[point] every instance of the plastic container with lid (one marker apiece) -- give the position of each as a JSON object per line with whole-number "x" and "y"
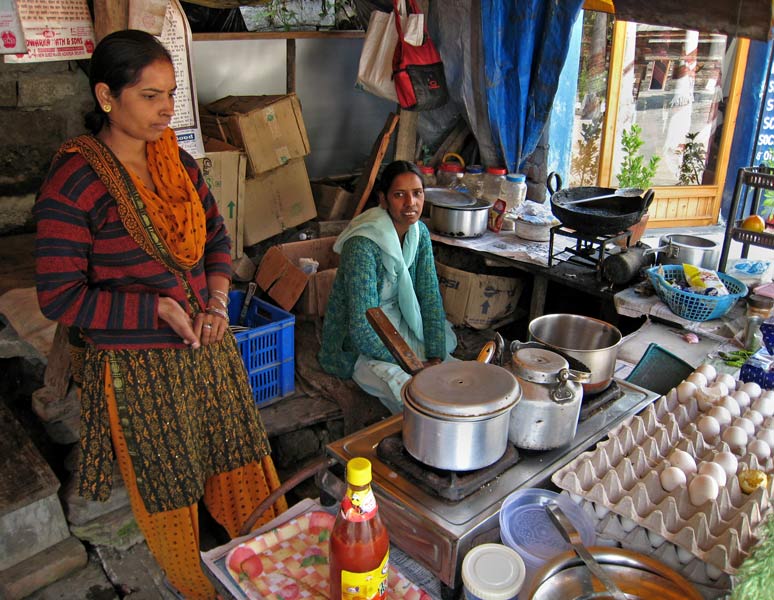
{"x": 514, "y": 190}
{"x": 428, "y": 176}
{"x": 492, "y": 572}
{"x": 474, "y": 180}
{"x": 759, "y": 308}
{"x": 493, "y": 180}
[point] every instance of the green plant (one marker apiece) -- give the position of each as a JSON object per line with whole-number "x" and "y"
{"x": 755, "y": 577}
{"x": 585, "y": 161}
{"x": 693, "y": 161}
{"x": 634, "y": 172}
{"x": 277, "y": 13}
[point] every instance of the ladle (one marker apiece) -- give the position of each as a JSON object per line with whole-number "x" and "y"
{"x": 621, "y": 192}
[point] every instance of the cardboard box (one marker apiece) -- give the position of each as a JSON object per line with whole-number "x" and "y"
{"x": 270, "y": 129}
{"x": 281, "y": 277}
{"x": 224, "y": 173}
{"x": 333, "y": 202}
{"x": 475, "y": 300}
{"x": 277, "y": 200}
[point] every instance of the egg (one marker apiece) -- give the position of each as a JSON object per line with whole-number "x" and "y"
{"x": 708, "y": 427}
{"x": 752, "y": 389}
{"x": 766, "y": 436}
{"x": 672, "y": 478}
{"x": 731, "y": 404}
{"x": 628, "y": 524}
{"x": 684, "y": 556}
{"x": 746, "y": 424}
{"x": 760, "y": 449}
{"x": 714, "y": 470}
{"x": 764, "y": 405}
{"x": 726, "y": 379}
{"x": 682, "y": 460}
{"x": 767, "y": 394}
{"x": 742, "y": 398}
{"x": 702, "y": 488}
{"x": 685, "y": 391}
{"x": 708, "y": 371}
{"x": 728, "y": 461}
{"x": 697, "y": 379}
{"x": 721, "y": 414}
{"x": 655, "y": 539}
{"x": 712, "y": 571}
{"x": 735, "y": 437}
{"x": 708, "y": 395}
{"x": 754, "y": 416}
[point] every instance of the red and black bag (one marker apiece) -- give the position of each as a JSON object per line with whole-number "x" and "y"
{"x": 420, "y": 81}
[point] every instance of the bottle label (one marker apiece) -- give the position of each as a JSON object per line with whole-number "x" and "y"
{"x": 358, "y": 506}
{"x": 369, "y": 585}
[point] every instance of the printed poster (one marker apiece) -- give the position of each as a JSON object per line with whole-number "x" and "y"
{"x": 54, "y": 30}
{"x": 11, "y": 35}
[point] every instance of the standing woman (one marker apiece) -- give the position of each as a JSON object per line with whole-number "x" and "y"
{"x": 133, "y": 254}
{"x": 386, "y": 261}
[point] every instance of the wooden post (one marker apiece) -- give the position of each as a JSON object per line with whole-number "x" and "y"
{"x": 366, "y": 182}
{"x": 290, "y": 65}
{"x": 110, "y": 16}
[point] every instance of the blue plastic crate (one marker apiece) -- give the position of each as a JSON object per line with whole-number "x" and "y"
{"x": 267, "y": 348}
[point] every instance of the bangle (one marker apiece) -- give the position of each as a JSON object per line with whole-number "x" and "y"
{"x": 212, "y": 310}
{"x": 220, "y": 301}
{"x": 224, "y": 295}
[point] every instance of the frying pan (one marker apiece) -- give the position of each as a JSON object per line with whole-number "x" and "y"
{"x": 608, "y": 215}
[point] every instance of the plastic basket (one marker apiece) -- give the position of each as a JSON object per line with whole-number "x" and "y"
{"x": 267, "y": 347}
{"x": 694, "y": 307}
{"x": 659, "y": 370}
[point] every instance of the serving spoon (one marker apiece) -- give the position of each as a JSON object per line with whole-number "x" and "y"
{"x": 621, "y": 192}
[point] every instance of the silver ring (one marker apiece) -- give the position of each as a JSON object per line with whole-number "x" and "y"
{"x": 208, "y": 325}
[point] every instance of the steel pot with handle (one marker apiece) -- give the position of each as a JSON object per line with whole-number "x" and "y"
{"x": 455, "y": 214}
{"x": 676, "y": 249}
{"x": 546, "y": 417}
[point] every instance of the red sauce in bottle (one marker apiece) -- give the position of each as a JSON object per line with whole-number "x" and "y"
{"x": 359, "y": 544}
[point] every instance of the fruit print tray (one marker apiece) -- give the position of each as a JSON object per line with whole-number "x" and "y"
{"x": 291, "y": 562}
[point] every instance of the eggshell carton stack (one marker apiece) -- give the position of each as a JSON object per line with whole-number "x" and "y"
{"x": 623, "y": 474}
{"x": 627, "y": 534}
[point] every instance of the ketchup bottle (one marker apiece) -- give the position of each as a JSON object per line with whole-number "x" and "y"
{"x": 359, "y": 545}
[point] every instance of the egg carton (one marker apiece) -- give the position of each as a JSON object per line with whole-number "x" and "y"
{"x": 612, "y": 529}
{"x": 622, "y": 474}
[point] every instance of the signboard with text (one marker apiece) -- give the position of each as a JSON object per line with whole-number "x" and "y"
{"x": 764, "y": 144}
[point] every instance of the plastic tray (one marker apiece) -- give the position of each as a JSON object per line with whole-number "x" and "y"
{"x": 694, "y": 307}
{"x": 659, "y": 370}
{"x": 267, "y": 348}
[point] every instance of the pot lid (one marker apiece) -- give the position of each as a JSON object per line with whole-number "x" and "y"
{"x": 448, "y": 198}
{"x": 538, "y": 364}
{"x": 463, "y": 389}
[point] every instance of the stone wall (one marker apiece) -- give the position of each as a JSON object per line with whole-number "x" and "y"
{"x": 41, "y": 105}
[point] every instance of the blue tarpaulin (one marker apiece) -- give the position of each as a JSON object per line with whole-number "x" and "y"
{"x": 525, "y": 46}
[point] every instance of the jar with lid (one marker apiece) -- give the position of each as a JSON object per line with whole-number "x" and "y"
{"x": 359, "y": 544}
{"x": 449, "y": 175}
{"x": 474, "y": 180}
{"x": 493, "y": 180}
{"x": 514, "y": 190}
{"x": 428, "y": 176}
{"x": 493, "y": 572}
{"x": 759, "y": 308}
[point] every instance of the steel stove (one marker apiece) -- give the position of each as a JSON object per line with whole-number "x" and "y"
{"x": 437, "y": 532}
{"x": 588, "y": 250}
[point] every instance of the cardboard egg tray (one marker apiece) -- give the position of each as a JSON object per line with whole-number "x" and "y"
{"x": 622, "y": 474}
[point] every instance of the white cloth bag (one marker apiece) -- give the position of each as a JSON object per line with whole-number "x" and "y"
{"x": 374, "y": 73}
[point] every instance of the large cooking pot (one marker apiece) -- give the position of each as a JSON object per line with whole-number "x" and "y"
{"x": 605, "y": 216}
{"x": 455, "y": 214}
{"x": 676, "y": 249}
{"x": 456, "y": 414}
{"x": 591, "y": 341}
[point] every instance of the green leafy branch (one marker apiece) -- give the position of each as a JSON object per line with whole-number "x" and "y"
{"x": 635, "y": 173}
{"x": 694, "y": 160}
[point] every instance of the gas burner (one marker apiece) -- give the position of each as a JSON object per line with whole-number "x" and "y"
{"x": 449, "y": 485}
{"x": 594, "y": 402}
{"x": 588, "y": 250}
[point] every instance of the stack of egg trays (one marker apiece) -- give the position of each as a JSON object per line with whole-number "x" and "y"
{"x": 611, "y": 530}
{"x": 623, "y": 474}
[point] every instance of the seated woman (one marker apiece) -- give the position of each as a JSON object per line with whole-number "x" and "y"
{"x": 386, "y": 261}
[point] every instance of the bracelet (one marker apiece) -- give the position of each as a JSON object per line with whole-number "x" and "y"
{"x": 225, "y": 298}
{"x": 220, "y": 301}
{"x": 216, "y": 311}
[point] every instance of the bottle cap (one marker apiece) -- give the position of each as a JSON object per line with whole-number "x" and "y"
{"x": 359, "y": 471}
{"x": 493, "y": 572}
{"x": 518, "y": 177}
{"x": 451, "y": 168}
{"x": 426, "y": 169}
{"x": 496, "y": 170}
{"x": 475, "y": 169}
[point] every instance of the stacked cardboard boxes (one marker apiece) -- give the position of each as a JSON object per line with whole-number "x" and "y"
{"x": 270, "y": 131}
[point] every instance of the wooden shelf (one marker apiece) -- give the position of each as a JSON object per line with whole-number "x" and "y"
{"x": 278, "y": 35}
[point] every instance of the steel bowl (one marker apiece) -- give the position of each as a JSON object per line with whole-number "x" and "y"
{"x": 591, "y": 341}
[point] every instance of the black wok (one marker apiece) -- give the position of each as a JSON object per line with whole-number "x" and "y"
{"x": 598, "y": 217}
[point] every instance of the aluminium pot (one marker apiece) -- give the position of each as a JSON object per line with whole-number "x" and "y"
{"x": 456, "y": 414}
{"x": 591, "y": 341}
{"x": 455, "y": 214}
{"x": 676, "y": 249}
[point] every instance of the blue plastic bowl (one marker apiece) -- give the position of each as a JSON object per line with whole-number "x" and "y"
{"x": 526, "y": 527}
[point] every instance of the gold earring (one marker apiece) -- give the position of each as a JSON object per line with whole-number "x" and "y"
{"x": 107, "y": 108}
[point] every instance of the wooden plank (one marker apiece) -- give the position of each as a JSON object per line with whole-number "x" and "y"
{"x": 395, "y": 343}
{"x": 57, "y": 375}
{"x": 277, "y": 35}
{"x": 110, "y": 16}
{"x": 366, "y": 182}
{"x": 406, "y": 141}
{"x": 290, "y": 66}
{"x": 297, "y": 412}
